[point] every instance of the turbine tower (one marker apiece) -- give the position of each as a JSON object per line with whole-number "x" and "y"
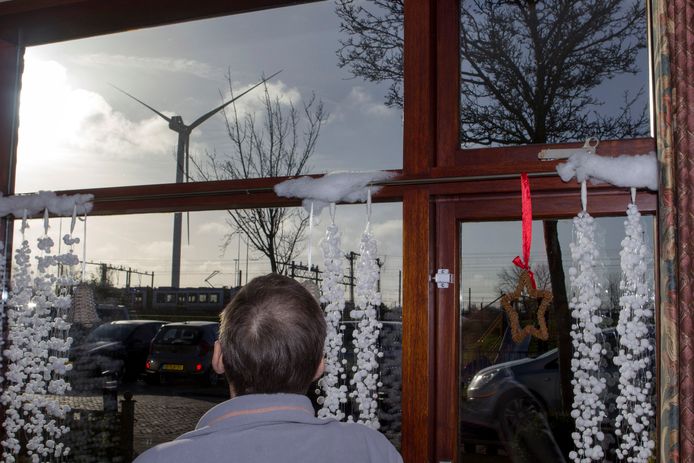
{"x": 183, "y": 163}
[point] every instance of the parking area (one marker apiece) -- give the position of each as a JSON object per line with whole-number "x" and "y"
{"x": 162, "y": 413}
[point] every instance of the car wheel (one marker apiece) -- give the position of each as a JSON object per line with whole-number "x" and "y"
{"x": 514, "y": 414}
{"x": 524, "y": 430}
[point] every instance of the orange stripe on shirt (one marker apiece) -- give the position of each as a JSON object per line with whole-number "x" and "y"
{"x": 258, "y": 411}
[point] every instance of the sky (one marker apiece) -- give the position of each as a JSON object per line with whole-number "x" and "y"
{"x": 77, "y": 131}
{"x": 92, "y": 135}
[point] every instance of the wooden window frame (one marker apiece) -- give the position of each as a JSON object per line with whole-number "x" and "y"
{"x": 434, "y": 167}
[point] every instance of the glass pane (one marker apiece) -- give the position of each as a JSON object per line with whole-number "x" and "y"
{"x": 128, "y": 271}
{"x": 552, "y": 71}
{"x": 513, "y": 404}
{"x": 74, "y": 118}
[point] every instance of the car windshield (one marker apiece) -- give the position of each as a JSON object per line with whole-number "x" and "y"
{"x": 111, "y": 332}
{"x": 187, "y": 335}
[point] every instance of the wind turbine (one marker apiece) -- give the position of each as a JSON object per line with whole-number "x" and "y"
{"x": 183, "y": 163}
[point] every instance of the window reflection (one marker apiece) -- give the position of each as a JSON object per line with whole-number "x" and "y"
{"x": 168, "y": 374}
{"x": 552, "y": 71}
{"x": 514, "y": 405}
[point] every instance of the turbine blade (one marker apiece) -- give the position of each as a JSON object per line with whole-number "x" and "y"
{"x": 188, "y": 225}
{"x": 206, "y": 116}
{"x": 167, "y": 119}
{"x": 187, "y": 172}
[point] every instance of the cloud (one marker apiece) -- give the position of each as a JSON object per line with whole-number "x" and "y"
{"x": 389, "y": 236}
{"x": 149, "y": 63}
{"x": 72, "y": 129}
{"x": 254, "y": 101}
{"x": 213, "y": 228}
{"x": 359, "y": 98}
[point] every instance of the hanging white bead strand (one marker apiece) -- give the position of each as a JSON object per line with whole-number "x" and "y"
{"x": 365, "y": 377}
{"x": 333, "y": 389}
{"x": 588, "y": 408}
{"x": 634, "y": 421}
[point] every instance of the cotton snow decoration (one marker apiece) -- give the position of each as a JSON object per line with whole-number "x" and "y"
{"x": 334, "y": 389}
{"x": 367, "y": 300}
{"x": 588, "y": 409}
{"x": 37, "y": 348}
{"x": 32, "y": 204}
{"x": 347, "y": 187}
{"x": 636, "y": 413}
{"x": 640, "y": 171}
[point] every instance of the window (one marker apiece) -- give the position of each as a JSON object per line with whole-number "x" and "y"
{"x": 432, "y": 161}
{"x": 328, "y": 121}
{"x": 552, "y": 72}
{"x": 514, "y": 391}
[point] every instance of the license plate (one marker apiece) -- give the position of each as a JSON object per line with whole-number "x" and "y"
{"x": 172, "y": 367}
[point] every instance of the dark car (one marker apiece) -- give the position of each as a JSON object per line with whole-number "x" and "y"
{"x": 112, "y": 312}
{"x": 183, "y": 350}
{"x": 513, "y": 399}
{"x": 118, "y": 347}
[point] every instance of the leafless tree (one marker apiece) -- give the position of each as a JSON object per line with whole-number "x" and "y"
{"x": 529, "y": 73}
{"x": 278, "y": 141}
{"x": 528, "y": 68}
{"x": 507, "y": 278}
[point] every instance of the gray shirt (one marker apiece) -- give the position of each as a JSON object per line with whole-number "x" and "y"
{"x": 273, "y": 428}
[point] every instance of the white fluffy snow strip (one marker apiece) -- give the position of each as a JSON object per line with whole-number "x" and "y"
{"x": 639, "y": 171}
{"x": 588, "y": 409}
{"x": 337, "y": 187}
{"x": 333, "y": 383}
{"x": 37, "y": 203}
{"x": 634, "y": 422}
{"x": 365, "y": 378}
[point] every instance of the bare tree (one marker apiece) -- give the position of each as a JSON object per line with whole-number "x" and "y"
{"x": 279, "y": 141}
{"x": 529, "y": 73}
{"x": 372, "y": 47}
{"x": 507, "y": 278}
{"x": 528, "y": 68}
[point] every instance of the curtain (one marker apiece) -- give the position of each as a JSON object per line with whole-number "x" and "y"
{"x": 673, "y": 34}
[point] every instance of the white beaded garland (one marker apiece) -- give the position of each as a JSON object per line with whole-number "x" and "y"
{"x": 3, "y": 298}
{"x": 588, "y": 409}
{"x": 37, "y": 352}
{"x": 634, "y": 421}
{"x": 367, "y": 299}
{"x": 332, "y": 383}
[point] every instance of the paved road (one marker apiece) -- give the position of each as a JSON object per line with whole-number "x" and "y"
{"x": 163, "y": 417}
{"x": 162, "y": 413}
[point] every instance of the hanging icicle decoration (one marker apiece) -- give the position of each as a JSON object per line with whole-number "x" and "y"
{"x": 588, "y": 408}
{"x": 37, "y": 353}
{"x": 3, "y": 298}
{"x": 20, "y": 358}
{"x": 334, "y": 389}
{"x": 634, "y": 402}
{"x": 367, "y": 300}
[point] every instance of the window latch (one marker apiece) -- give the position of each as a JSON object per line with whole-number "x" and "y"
{"x": 443, "y": 278}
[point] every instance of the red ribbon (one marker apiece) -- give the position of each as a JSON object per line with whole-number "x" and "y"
{"x": 527, "y": 219}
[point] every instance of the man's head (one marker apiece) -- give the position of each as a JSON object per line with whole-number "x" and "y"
{"x": 271, "y": 338}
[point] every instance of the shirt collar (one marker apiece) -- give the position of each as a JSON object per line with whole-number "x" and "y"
{"x": 257, "y": 407}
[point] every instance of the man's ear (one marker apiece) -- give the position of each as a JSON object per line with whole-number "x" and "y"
{"x": 217, "y": 361}
{"x": 320, "y": 370}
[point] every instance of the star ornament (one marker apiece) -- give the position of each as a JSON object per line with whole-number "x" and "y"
{"x": 518, "y": 333}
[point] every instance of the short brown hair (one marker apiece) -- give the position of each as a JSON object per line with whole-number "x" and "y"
{"x": 272, "y": 335}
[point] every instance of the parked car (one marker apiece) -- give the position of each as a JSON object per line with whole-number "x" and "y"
{"x": 512, "y": 401}
{"x": 112, "y": 312}
{"x": 183, "y": 350}
{"x": 119, "y": 347}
